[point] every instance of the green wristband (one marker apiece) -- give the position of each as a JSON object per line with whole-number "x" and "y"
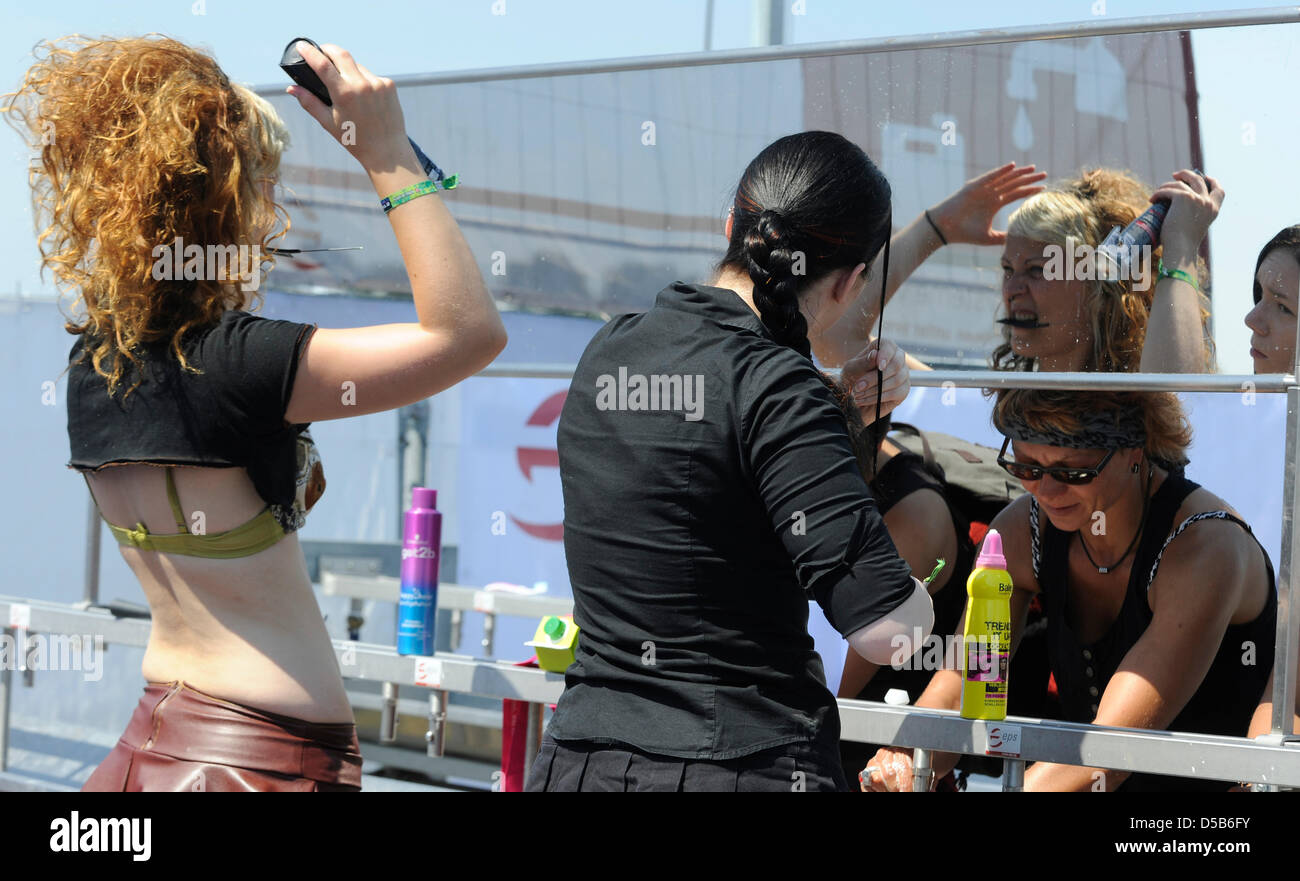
{"x": 406, "y": 194}
{"x": 1162, "y": 272}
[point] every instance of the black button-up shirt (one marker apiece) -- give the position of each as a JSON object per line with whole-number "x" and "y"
{"x": 710, "y": 490}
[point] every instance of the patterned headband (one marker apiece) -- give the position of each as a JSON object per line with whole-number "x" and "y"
{"x": 1123, "y": 428}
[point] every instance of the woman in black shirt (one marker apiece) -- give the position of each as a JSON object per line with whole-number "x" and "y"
{"x": 710, "y": 490}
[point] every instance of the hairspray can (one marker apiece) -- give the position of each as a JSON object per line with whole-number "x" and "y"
{"x": 421, "y": 548}
{"x": 1120, "y": 248}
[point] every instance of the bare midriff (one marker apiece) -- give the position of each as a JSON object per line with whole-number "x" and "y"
{"x": 246, "y": 630}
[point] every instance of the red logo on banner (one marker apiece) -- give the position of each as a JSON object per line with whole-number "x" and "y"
{"x": 541, "y": 457}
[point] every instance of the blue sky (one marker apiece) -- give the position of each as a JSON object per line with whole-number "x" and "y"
{"x": 405, "y": 38}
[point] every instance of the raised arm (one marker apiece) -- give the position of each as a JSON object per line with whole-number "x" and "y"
{"x": 1176, "y": 331}
{"x": 965, "y": 217}
{"x": 1197, "y": 589}
{"x": 458, "y": 331}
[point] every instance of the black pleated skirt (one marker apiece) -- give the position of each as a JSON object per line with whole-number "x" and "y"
{"x": 573, "y": 766}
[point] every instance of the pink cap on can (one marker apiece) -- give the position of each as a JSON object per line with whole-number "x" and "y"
{"x": 991, "y": 552}
{"x": 421, "y": 497}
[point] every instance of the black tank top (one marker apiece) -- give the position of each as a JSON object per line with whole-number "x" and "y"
{"x": 1230, "y": 691}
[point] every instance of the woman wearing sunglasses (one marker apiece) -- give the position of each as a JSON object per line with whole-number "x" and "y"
{"x": 1160, "y": 601}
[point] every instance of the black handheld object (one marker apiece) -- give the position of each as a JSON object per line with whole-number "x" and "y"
{"x": 292, "y": 63}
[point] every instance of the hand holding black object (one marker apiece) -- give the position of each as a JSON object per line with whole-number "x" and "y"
{"x": 1194, "y": 200}
{"x": 320, "y": 72}
{"x": 300, "y": 71}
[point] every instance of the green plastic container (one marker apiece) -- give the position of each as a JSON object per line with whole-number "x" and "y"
{"x": 554, "y": 642}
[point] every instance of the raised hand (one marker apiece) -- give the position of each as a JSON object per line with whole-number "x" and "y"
{"x": 966, "y": 216}
{"x": 1194, "y": 202}
{"x": 366, "y": 117}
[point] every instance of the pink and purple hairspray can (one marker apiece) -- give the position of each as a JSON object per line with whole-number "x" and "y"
{"x": 421, "y": 547}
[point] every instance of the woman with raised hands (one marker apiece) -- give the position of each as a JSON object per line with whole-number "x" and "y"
{"x": 965, "y": 217}
{"x": 188, "y": 414}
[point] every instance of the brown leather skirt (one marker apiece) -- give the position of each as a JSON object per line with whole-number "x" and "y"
{"x": 180, "y": 738}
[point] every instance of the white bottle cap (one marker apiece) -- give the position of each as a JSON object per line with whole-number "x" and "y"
{"x": 896, "y": 697}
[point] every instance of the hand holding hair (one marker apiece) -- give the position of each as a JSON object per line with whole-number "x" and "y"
{"x": 859, "y": 375}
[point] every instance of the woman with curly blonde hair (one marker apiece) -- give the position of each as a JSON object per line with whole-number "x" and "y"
{"x": 1055, "y": 318}
{"x": 1152, "y": 584}
{"x": 1058, "y": 318}
{"x": 188, "y": 415}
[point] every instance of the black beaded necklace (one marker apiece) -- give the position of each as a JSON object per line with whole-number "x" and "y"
{"x": 1146, "y": 501}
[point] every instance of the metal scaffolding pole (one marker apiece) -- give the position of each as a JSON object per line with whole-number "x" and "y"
{"x": 1168, "y": 382}
{"x": 1072, "y": 30}
{"x": 1288, "y": 591}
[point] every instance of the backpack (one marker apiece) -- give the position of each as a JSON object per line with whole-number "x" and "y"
{"x": 974, "y": 482}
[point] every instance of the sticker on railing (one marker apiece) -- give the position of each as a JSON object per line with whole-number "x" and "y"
{"x": 485, "y": 601}
{"x": 1003, "y": 740}
{"x": 428, "y": 672}
{"x": 20, "y": 616}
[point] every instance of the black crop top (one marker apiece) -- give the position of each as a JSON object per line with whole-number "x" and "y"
{"x": 230, "y": 415}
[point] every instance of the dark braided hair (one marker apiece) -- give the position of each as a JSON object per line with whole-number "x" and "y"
{"x": 807, "y": 205}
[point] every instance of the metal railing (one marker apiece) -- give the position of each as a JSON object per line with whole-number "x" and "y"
{"x": 1270, "y": 761}
{"x": 1100, "y": 26}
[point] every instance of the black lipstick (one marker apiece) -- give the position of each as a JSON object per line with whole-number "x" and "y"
{"x": 1027, "y": 323}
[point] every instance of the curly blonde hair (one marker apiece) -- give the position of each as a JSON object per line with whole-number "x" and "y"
{"x": 1085, "y": 209}
{"x": 1168, "y": 431}
{"x": 140, "y": 142}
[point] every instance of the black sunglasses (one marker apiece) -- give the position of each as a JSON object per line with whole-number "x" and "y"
{"x": 1060, "y": 473}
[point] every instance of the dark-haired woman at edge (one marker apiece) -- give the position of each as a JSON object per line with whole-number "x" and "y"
{"x": 695, "y": 536}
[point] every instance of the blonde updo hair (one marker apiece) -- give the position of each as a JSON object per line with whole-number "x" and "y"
{"x": 1086, "y": 209}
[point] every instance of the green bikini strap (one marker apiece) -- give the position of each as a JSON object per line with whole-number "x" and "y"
{"x": 175, "y": 500}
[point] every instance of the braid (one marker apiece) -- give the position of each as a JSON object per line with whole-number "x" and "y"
{"x": 769, "y": 259}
